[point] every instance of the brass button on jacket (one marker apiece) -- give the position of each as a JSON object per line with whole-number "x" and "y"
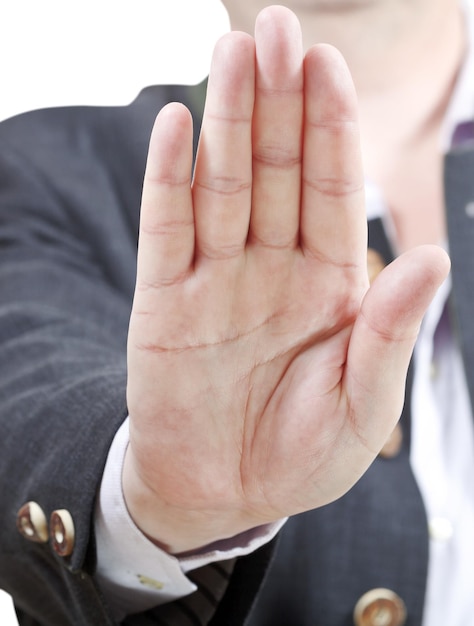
{"x": 375, "y": 264}
{"x": 380, "y": 607}
{"x": 393, "y": 445}
{"x": 61, "y": 529}
{"x": 32, "y": 523}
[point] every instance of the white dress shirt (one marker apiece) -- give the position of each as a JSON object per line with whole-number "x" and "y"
{"x": 137, "y": 575}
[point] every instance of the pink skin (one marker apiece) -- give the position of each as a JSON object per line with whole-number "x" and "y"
{"x": 264, "y": 374}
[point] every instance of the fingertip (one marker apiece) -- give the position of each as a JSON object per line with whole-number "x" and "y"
{"x": 401, "y": 294}
{"x": 441, "y": 262}
{"x": 279, "y": 48}
{"x": 327, "y": 73}
{"x": 231, "y": 77}
{"x": 327, "y": 52}
{"x": 173, "y": 122}
{"x": 170, "y": 148}
{"x": 234, "y": 38}
{"x": 427, "y": 264}
{"x": 231, "y": 83}
{"x": 275, "y": 16}
{"x": 174, "y": 113}
{"x": 232, "y": 45}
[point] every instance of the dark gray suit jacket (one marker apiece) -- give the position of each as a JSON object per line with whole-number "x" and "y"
{"x": 70, "y": 186}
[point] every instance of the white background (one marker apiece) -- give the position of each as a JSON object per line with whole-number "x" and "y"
{"x": 55, "y": 53}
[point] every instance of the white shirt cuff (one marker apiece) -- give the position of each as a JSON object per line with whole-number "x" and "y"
{"x": 136, "y": 575}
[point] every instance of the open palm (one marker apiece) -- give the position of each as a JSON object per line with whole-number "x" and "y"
{"x": 264, "y": 376}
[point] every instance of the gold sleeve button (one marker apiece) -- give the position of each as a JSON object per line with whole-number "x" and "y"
{"x": 61, "y": 530}
{"x": 375, "y": 264}
{"x": 380, "y": 607}
{"x": 393, "y": 445}
{"x": 32, "y": 523}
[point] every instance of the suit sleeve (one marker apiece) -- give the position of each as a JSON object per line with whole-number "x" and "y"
{"x": 63, "y": 318}
{"x": 70, "y": 186}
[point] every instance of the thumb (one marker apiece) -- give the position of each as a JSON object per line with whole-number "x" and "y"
{"x": 384, "y": 336}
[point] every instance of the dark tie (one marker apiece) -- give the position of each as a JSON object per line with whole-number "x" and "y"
{"x": 196, "y": 609}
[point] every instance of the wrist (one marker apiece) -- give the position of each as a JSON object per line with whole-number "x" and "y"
{"x": 176, "y": 529}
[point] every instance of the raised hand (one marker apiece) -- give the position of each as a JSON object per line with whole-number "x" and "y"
{"x": 264, "y": 376}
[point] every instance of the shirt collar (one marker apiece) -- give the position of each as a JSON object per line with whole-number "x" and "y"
{"x": 458, "y": 125}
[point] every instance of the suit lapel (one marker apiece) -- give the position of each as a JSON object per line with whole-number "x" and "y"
{"x": 459, "y": 195}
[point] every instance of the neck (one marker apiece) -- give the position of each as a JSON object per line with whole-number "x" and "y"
{"x": 383, "y": 41}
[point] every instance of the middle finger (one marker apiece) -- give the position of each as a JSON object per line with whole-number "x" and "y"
{"x": 277, "y": 129}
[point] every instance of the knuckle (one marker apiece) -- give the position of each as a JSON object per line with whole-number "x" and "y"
{"x": 334, "y": 187}
{"x": 276, "y": 156}
{"x": 224, "y": 185}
